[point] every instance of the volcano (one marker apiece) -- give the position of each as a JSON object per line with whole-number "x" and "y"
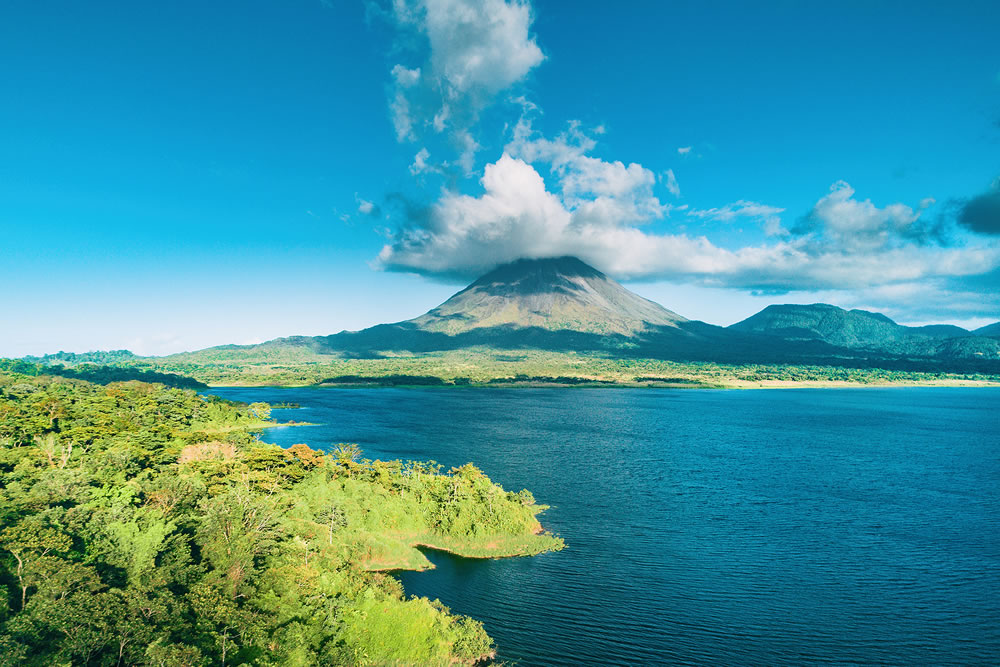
{"x": 555, "y": 294}
{"x": 564, "y": 305}
{"x": 558, "y": 303}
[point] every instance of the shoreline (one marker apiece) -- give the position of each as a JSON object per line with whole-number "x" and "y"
{"x": 499, "y": 546}
{"x": 293, "y": 423}
{"x": 451, "y": 552}
{"x": 253, "y": 427}
{"x": 730, "y": 384}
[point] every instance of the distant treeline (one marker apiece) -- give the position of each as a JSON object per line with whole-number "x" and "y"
{"x": 668, "y": 380}
{"x": 494, "y": 367}
{"x": 386, "y": 380}
{"x": 546, "y": 379}
{"x": 72, "y": 358}
{"x": 100, "y": 374}
{"x": 434, "y": 381}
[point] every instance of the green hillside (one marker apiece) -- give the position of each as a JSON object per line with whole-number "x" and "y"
{"x": 870, "y": 332}
{"x": 989, "y": 330}
{"x": 147, "y": 525}
{"x": 844, "y": 328}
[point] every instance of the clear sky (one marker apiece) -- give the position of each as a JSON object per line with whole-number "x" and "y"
{"x": 176, "y": 175}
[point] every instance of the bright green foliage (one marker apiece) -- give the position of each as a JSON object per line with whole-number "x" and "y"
{"x": 416, "y": 632}
{"x": 145, "y": 525}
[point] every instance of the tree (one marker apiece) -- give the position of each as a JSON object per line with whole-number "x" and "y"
{"x": 261, "y": 411}
{"x": 30, "y": 541}
{"x": 346, "y": 456}
{"x": 238, "y": 529}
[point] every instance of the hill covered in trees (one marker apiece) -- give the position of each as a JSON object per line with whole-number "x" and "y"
{"x": 988, "y": 330}
{"x": 851, "y": 329}
{"x": 150, "y": 525}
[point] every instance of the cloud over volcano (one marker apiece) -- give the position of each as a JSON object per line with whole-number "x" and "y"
{"x": 547, "y": 196}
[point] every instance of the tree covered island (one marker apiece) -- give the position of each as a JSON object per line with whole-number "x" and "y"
{"x": 147, "y": 525}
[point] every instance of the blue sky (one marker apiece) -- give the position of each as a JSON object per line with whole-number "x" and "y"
{"x": 180, "y": 175}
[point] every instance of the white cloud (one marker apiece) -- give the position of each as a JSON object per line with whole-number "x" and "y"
{"x": 768, "y": 215}
{"x": 560, "y": 152}
{"x": 596, "y": 209}
{"x": 365, "y": 207}
{"x": 475, "y": 50}
{"x": 469, "y": 148}
{"x": 480, "y": 45}
{"x": 420, "y": 164}
{"x": 925, "y": 302}
{"x": 469, "y": 234}
{"x": 840, "y": 220}
{"x": 155, "y": 344}
{"x": 404, "y": 77}
{"x": 741, "y": 208}
{"x": 518, "y": 216}
{"x": 400, "y": 105}
{"x": 671, "y": 183}
{"x": 592, "y": 188}
{"x": 401, "y": 119}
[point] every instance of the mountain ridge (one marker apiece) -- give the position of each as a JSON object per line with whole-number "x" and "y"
{"x": 563, "y": 305}
{"x": 854, "y": 329}
{"x": 988, "y": 330}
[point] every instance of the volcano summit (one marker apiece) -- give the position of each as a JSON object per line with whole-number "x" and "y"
{"x": 556, "y": 294}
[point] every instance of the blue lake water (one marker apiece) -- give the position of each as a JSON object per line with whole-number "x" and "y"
{"x": 737, "y": 527}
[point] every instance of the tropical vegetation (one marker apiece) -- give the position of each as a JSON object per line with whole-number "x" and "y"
{"x": 142, "y": 524}
{"x": 490, "y": 367}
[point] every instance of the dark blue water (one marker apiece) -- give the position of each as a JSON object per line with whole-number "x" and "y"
{"x": 738, "y": 527}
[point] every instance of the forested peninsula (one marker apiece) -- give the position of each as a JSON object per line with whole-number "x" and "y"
{"x": 142, "y": 524}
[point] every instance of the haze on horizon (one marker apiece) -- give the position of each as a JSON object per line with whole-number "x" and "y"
{"x": 179, "y": 176}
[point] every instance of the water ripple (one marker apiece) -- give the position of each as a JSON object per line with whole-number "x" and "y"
{"x": 777, "y": 527}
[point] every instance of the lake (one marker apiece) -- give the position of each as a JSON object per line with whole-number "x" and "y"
{"x": 723, "y": 526}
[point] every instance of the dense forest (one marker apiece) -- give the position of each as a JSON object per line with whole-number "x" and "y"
{"x": 142, "y": 524}
{"x": 296, "y": 366}
{"x": 486, "y": 366}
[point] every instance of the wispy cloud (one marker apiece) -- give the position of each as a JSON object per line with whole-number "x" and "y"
{"x": 670, "y": 180}
{"x": 420, "y": 164}
{"x": 368, "y": 208}
{"x": 768, "y": 215}
{"x": 471, "y": 51}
